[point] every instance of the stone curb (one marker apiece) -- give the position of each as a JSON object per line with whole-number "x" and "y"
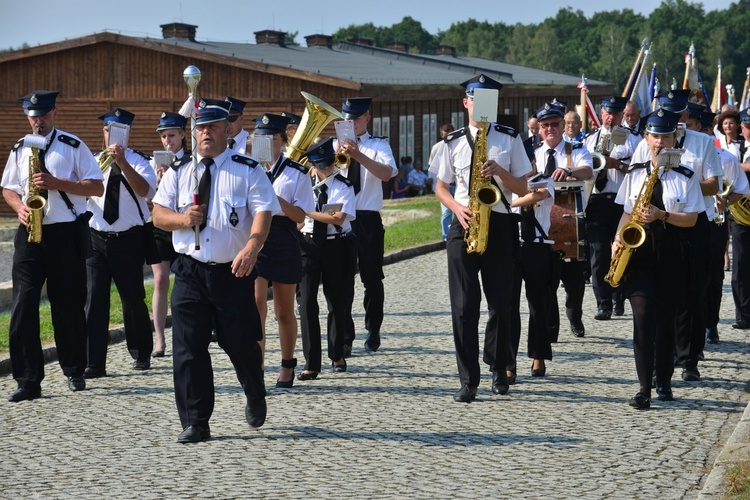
{"x": 736, "y": 451}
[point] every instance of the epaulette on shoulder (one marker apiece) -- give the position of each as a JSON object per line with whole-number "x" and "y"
{"x": 297, "y": 166}
{"x": 455, "y": 135}
{"x": 539, "y": 146}
{"x": 633, "y": 130}
{"x": 245, "y": 160}
{"x": 636, "y": 166}
{"x": 344, "y": 180}
{"x": 144, "y": 155}
{"x": 681, "y": 169}
{"x": 576, "y": 145}
{"x": 181, "y": 162}
{"x": 589, "y": 134}
{"x": 381, "y": 137}
{"x": 17, "y": 146}
{"x": 506, "y": 130}
{"x": 66, "y": 139}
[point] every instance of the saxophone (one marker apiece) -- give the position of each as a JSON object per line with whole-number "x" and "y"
{"x": 632, "y": 234}
{"x": 482, "y": 197}
{"x": 35, "y": 202}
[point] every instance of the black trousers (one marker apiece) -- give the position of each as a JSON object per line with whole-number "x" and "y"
{"x": 331, "y": 264}
{"x": 120, "y": 259}
{"x": 741, "y": 270}
{"x": 718, "y": 243}
{"x": 533, "y": 267}
{"x": 204, "y": 295}
{"x": 653, "y": 341}
{"x": 571, "y": 276}
{"x": 369, "y": 232}
{"x": 602, "y": 217}
{"x": 56, "y": 260}
{"x": 496, "y": 268}
{"x": 691, "y": 320}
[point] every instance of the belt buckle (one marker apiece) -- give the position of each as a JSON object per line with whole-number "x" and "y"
{"x": 112, "y": 234}
{"x": 211, "y": 263}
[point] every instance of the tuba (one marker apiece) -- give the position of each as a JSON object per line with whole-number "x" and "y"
{"x": 316, "y": 116}
{"x": 482, "y": 197}
{"x": 740, "y": 209}
{"x": 35, "y": 202}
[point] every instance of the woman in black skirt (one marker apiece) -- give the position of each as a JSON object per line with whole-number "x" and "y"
{"x": 280, "y": 260}
{"x": 171, "y": 130}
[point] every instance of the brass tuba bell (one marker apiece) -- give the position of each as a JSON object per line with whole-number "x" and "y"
{"x": 317, "y": 115}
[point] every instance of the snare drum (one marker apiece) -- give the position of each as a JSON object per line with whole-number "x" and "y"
{"x": 567, "y": 220}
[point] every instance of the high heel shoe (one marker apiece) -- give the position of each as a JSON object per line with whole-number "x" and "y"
{"x": 307, "y": 375}
{"x": 157, "y": 354}
{"x": 339, "y": 368}
{"x": 538, "y": 372}
{"x": 288, "y": 384}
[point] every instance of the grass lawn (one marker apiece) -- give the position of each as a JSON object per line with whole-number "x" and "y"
{"x": 402, "y": 234}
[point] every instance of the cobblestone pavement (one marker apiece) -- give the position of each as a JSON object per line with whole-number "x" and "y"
{"x": 389, "y": 426}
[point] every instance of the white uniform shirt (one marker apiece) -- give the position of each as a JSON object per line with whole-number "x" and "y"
{"x": 293, "y": 185}
{"x": 700, "y": 156}
{"x": 733, "y": 147}
{"x": 128, "y": 213}
{"x": 67, "y": 158}
{"x": 452, "y": 161}
{"x": 579, "y": 157}
{"x": 370, "y": 196}
{"x": 733, "y": 172}
{"x": 417, "y": 178}
{"x": 240, "y": 142}
{"x": 622, "y": 152}
{"x": 542, "y": 209}
{"x": 236, "y": 188}
{"x": 338, "y": 192}
{"x": 680, "y": 193}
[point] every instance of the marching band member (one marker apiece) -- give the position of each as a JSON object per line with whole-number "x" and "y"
{"x": 294, "y": 121}
{"x": 372, "y": 163}
{"x": 70, "y": 174}
{"x": 329, "y": 256}
{"x": 700, "y": 156}
{"x": 655, "y": 278}
{"x": 280, "y": 261}
{"x": 602, "y": 213}
{"x": 171, "y": 128}
{"x": 563, "y": 161}
{"x": 741, "y": 245}
{"x": 238, "y": 136}
{"x": 533, "y": 267}
{"x": 118, "y": 251}
{"x": 507, "y": 164}
{"x": 215, "y": 283}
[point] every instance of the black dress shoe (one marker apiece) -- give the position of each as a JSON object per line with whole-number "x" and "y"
{"x": 92, "y": 372}
{"x": 25, "y": 394}
{"x": 307, "y": 375}
{"x": 194, "y": 434}
{"x": 141, "y": 364}
{"x": 603, "y": 315}
{"x": 539, "y": 372}
{"x": 255, "y": 412}
{"x": 619, "y": 310}
{"x": 372, "y": 344}
{"x": 466, "y": 394}
{"x": 577, "y": 328}
{"x": 339, "y": 368}
{"x": 76, "y": 384}
{"x": 287, "y": 384}
{"x": 741, "y": 324}
{"x": 157, "y": 354}
{"x": 712, "y": 335}
{"x": 500, "y": 383}
{"x": 640, "y": 401}
{"x": 691, "y": 375}
{"x": 664, "y": 393}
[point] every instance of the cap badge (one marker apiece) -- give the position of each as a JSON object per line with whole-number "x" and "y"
{"x": 34, "y": 99}
{"x": 265, "y": 120}
{"x": 348, "y": 103}
{"x": 321, "y": 150}
{"x": 481, "y": 79}
{"x": 163, "y": 115}
{"x": 670, "y": 95}
{"x": 546, "y": 106}
{"x": 202, "y": 104}
{"x": 660, "y": 113}
{"x": 117, "y": 112}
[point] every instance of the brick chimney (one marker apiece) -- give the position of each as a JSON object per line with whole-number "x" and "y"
{"x": 179, "y": 30}
{"x": 399, "y": 46}
{"x": 319, "y": 41}
{"x": 363, "y": 41}
{"x": 445, "y": 50}
{"x": 270, "y": 37}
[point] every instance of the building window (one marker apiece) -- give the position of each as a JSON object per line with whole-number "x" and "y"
{"x": 429, "y": 135}
{"x": 376, "y": 127}
{"x": 406, "y": 135}
{"x": 381, "y": 127}
{"x": 457, "y": 119}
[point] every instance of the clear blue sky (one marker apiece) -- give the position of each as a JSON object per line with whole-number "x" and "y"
{"x": 44, "y": 21}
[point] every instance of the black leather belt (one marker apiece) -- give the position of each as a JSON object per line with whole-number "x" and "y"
{"x": 114, "y": 234}
{"x": 334, "y": 236}
{"x": 609, "y": 196}
{"x": 209, "y": 263}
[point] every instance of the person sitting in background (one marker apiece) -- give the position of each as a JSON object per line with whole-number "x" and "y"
{"x": 406, "y": 166}
{"x": 399, "y": 188}
{"x": 419, "y": 182}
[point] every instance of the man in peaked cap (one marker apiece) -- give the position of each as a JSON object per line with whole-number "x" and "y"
{"x": 700, "y": 155}
{"x": 454, "y": 162}
{"x": 372, "y": 163}
{"x": 237, "y": 138}
{"x": 741, "y": 243}
{"x": 216, "y": 281}
{"x": 117, "y": 239}
{"x": 294, "y": 121}
{"x": 68, "y": 174}
{"x": 602, "y": 213}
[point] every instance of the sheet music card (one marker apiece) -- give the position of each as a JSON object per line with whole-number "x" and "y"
{"x": 669, "y": 158}
{"x": 119, "y": 133}
{"x": 163, "y": 159}
{"x": 263, "y": 148}
{"x": 345, "y": 130}
{"x": 485, "y": 105}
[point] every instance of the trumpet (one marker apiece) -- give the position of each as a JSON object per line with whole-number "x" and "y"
{"x": 105, "y": 161}
{"x": 343, "y": 160}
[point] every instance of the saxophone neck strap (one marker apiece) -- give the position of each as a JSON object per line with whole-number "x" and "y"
{"x": 492, "y": 179}
{"x": 43, "y": 168}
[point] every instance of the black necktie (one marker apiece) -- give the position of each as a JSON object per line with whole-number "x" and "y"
{"x": 112, "y": 196}
{"x": 204, "y": 189}
{"x": 601, "y": 180}
{"x": 320, "y": 228}
{"x": 551, "y": 163}
{"x": 354, "y": 176}
{"x": 528, "y": 226}
{"x": 231, "y": 142}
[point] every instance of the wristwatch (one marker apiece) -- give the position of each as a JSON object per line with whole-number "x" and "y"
{"x": 569, "y": 171}
{"x": 665, "y": 218}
